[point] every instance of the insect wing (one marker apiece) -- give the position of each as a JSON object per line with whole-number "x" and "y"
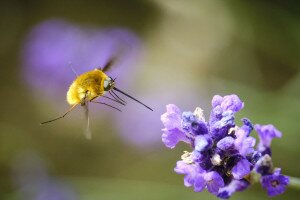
{"x": 109, "y": 64}
{"x": 113, "y": 59}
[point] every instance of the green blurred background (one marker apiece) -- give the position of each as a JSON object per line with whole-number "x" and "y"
{"x": 193, "y": 50}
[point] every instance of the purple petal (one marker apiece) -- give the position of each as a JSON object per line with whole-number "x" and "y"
{"x": 202, "y": 158}
{"x": 188, "y": 118}
{"x": 227, "y": 120}
{"x": 203, "y": 143}
{"x": 284, "y": 180}
{"x": 220, "y": 125}
{"x": 172, "y": 118}
{"x": 193, "y": 125}
{"x": 264, "y": 149}
{"x": 188, "y": 180}
{"x": 171, "y": 137}
{"x": 248, "y": 126}
{"x": 214, "y": 182}
{"x": 199, "y": 128}
{"x": 232, "y": 187}
{"x": 172, "y": 133}
{"x": 241, "y": 169}
{"x": 171, "y": 108}
{"x": 244, "y": 143}
{"x": 226, "y": 143}
{"x": 266, "y": 133}
{"x": 199, "y": 183}
{"x": 215, "y": 115}
{"x": 189, "y": 170}
{"x": 182, "y": 167}
{"x": 247, "y": 146}
{"x": 275, "y": 183}
{"x": 216, "y": 101}
{"x": 232, "y": 102}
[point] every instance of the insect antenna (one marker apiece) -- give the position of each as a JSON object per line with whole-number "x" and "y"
{"x": 52, "y": 120}
{"x": 111, "y": 92}
{"x": 107, "y": 105}
{"x": 132, "y": 98}
{"x": 73, "y": 70}
{"x": 115, "y": 100}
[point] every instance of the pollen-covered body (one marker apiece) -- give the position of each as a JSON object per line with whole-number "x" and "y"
{"x": 87, "y": 86}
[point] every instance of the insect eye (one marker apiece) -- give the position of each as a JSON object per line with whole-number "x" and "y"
{"x": 107, "y": 84}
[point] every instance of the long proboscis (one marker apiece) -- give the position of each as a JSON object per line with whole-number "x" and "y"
{"x": 118, "y": 90}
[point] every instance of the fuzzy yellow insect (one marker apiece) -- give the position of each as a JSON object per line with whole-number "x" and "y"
{"x": 89, "y": 86}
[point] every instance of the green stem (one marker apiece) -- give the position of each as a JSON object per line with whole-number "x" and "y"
{"x": 294, "y": 182}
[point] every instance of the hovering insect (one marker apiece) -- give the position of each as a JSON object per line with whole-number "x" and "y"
{"x": 89, "y": 86}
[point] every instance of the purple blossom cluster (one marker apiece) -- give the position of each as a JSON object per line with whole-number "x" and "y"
{"x": 224, "y": 158}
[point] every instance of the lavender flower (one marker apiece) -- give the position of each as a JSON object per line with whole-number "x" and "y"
{"x": 224, "y": 159}
{"x": 266, "y": 133}
{"x": 275, "y": 183}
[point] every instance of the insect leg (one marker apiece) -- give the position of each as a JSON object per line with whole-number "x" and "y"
{"x": 87, "y": 132}
{"x": 115, "y": 100}
{"x": 112, "y": 93}
{"x": 107, "y": 105}
{"x": 60, "y": 116}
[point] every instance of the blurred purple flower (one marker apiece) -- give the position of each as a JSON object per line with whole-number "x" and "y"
{"x": 33, "y": 182}
{"x": 53, "y": 46}
{"x": 223, "y": 157}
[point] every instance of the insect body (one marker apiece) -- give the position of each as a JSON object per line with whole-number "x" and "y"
{"x": 87, "y": 87}
{"x": 91, "y": 85}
